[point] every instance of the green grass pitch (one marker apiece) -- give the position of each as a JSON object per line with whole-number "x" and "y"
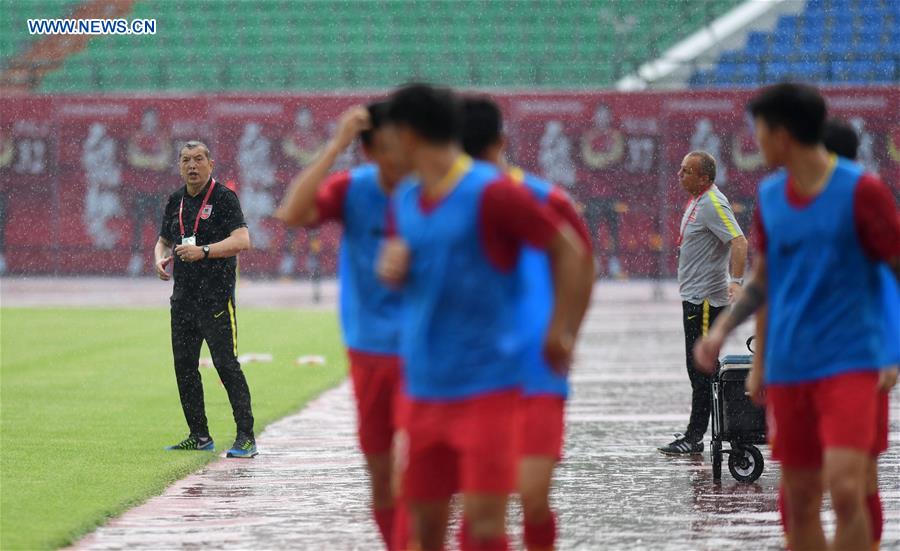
{"x": 88, "y": 401}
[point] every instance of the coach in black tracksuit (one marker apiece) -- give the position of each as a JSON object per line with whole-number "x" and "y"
{"x": 204, "y": 223}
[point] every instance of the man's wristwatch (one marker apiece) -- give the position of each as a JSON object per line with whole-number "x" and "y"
{"x": 738, "y": 280}
{"x": 205, "y": 252}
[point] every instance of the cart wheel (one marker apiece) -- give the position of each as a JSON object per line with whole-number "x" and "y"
{"x": 716, "y": 452}
{"x": 745, "y": 462}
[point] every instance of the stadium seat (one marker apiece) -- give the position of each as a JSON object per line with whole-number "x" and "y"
{"x": 815, "y": 6}
{"x": 868, "y": 48}
{"x": 842, "y": 35}
{"x": 747, "y": 74}
{"x": 778, "y": 71}
{"x": 871, "y": 15}
{"x": 854, "y": 41}
{"x": 840, "y": 47}
{"x": 731, "y": 56}
{"x": 884, "y": 71}
{"x": 783, "y": 44}
{"x": 787, "y": 24}
{"x": 813, "y": 21}
{"x": 512, "y": 40}
{"x": 757, "y": 42}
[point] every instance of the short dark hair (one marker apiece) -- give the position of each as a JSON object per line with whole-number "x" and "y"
{"x": 707, "y": 164}
{"x": 193, "y": 144}
{"x": 482, "y": 125}
{"x": 433, "y": 113}
{"x": 839, "y": 137}
{"x": 798, "y": 108}
{"x": 377, "y": 111}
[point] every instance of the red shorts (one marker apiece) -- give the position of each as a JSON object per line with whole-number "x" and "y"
{"x": 541, "y": 426}
{"x": 469, "y": 445}
{"x": 377, "y": 380}
{"x": 881, "y": 424}
{"x": 805, "y": 419}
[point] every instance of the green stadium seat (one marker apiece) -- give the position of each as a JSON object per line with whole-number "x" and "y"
{"x": 335, "y": 44}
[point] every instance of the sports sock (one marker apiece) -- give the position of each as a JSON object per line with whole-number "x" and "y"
{"x": 384, "y": 518}
{"x": 542, "y": 536}
{"x": 876, "y": 516}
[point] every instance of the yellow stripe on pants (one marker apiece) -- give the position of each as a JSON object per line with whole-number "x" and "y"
{"x": 234, "y": 325}
{"x": 705, "y": 317}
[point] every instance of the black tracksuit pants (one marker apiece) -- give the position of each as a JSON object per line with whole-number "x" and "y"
{"x": 698, "y": 318}
{"x": 216, "y": 323}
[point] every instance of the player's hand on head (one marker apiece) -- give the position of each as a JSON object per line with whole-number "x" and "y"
{"x": 887, "y": 378}
{"x": 352, "y": 122}
{"x": 162, "y": 268}
{"x": 393, "y": 261}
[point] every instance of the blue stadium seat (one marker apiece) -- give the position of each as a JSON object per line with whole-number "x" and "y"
{"x": 841, "y": 46}
{"x": 782, "y": 44}
{"x": 841, "y": 6}
{"x": 815, "y": 5}
{"x": 737, "y": 74}
{"x": 872, "y": 16}
{"x": 862, "y": 71}
{"x": 812, "y": 36}
{"x": 893, "y": 47}
{"x": 725, "y": 71}
{"x": 787, "y": 23}
{"x": 813, "y": 21}
{"x": 884, "y": 71}
{"x": 870, "y": 30}
{"x": 777, "y": 71}
{"x": 868, "y": 47}
{"x": 853, "y": 41}
{"x": 757, "y": 42}
{"x": 809, "y": 50}
{"x": 755, "y": 57}
{"x": 780, "y": 33}
{"x": 747, "y": 73}
{"x": 842, "y": 70}
{"x": 842, "y": 34}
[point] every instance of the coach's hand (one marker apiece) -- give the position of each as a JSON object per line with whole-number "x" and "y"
{"x": 352, "y": 122}
{"x": 393, "y": 262}
{"x": 162, "y": 266}
{"x": 706, "y": 351}
{"x": 559, "y": 347}
{"x": 189, "y": 253}
{"x": 887, "y": 378}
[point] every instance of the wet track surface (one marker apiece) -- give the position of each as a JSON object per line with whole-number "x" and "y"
{"x": 307, "y": 488}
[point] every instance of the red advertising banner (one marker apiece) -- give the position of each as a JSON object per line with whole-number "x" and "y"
{"x": 29, "y": 204}
{"x": 83, "y": 179}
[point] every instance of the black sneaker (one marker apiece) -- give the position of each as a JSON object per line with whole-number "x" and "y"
{"x": 682, "y": 446}
{"x": 244, "y": 447}
{"x": 194, "y": 443}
